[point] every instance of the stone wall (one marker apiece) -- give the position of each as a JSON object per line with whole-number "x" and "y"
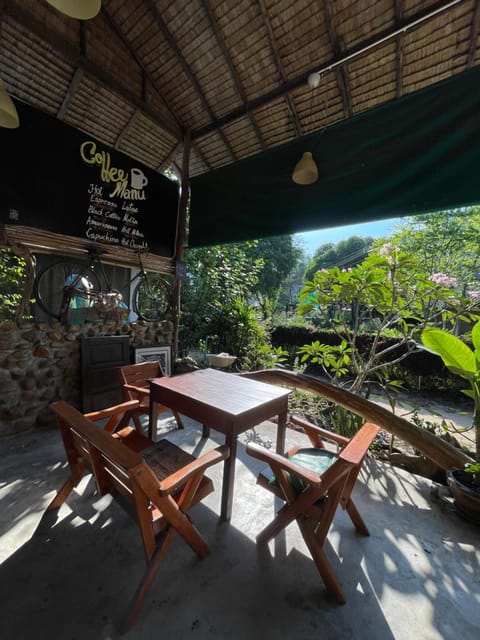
{"x": 40, "y": 363}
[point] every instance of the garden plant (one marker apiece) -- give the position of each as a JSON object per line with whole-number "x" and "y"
{"x": 376, "y": 312}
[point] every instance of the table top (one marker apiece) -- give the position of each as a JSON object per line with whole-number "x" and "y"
{"x": 227, "y": 393}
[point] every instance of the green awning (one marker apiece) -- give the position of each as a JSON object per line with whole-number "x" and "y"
{"x": 413, "y": 155}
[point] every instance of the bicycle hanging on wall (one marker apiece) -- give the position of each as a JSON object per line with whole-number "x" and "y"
{"x": 65, "y": 285}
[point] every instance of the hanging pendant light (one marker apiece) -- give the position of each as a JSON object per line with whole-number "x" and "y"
{"x": 306, "y": 171}
{"x": 80, "y": 9}
{"x": 8, "y": 111}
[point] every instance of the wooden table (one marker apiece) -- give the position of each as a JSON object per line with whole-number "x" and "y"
{"x": 225, "y": 402}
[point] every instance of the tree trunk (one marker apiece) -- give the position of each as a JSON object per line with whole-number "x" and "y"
{"x": 442, "y": 453}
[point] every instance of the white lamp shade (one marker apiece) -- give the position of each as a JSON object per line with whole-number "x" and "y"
{"x": 80, "y": 9}
{"x": 8, "y": 111}
{"x": 306, "y": 171}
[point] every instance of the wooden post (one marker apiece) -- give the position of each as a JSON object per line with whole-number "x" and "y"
{"x": 181, "y": 239}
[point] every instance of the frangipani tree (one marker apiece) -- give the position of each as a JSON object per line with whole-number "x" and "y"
{"x": 387, "y": 294}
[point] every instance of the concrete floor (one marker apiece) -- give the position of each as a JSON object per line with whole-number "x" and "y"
{"x": 70, "y": 577}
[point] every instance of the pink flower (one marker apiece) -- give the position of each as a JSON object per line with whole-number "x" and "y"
{"x": 443, "y": 279}
{"x": 388, "y": 248}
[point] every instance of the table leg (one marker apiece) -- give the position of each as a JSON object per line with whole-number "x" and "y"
{"x": 228, "y": 478}
{"x": 281, "y": 431}
{"x": 152, "y": 421}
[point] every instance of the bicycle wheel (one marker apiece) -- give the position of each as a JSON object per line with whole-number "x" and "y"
{"x": 52, "y": 282}
{"x": 152, "y": 297}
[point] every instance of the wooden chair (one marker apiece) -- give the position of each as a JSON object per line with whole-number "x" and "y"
{"x": 135, "y": 381}
{"x": 313, "y": 482}
{"x": 158, "y": 487}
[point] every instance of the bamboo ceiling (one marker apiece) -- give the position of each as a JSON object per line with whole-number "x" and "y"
{"x": 233, "y": 72}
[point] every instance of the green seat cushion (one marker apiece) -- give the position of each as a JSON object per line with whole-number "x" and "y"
{"x": 317, "y": 460}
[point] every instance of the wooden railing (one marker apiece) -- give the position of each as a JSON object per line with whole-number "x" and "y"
{"x": 442, "y": 453}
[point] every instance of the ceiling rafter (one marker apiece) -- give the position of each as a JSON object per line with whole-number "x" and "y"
{"x": 139, "y": 63}
{"x": 169, "y": 159}
{"x": 472, "y": 49}
{"x": 73, "y": 56}
{"x": 233, "y": 72}
{"x": 126, "y": 129}
{"x": 340, "y": 71}
{"x": 186, "y": 69}
{"x": 406, "y": 24}
{"x": 399, "y": 47}
{"x": 145, "y": 75}
{"x": 77, "y": 78}
{"x": 273, "y": 44}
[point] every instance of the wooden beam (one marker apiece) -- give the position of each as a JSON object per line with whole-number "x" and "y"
{"x": 145, "y": 73}
{"x": 125, "y": 129}
{"x": 472, "y": 49}
{"x": 168, "y": 160}
{"x": 231, "y": 67}
{"x": 181, "y": 238}
{"x": 73, "y": 56}
{"x": 41, "y": 241}
{"x": 186, "y": 69}
{"x": 399, "y": 49}
{"x": 273, "y": 44}
{"x": 340, "y": 72}
{"x": 359, "y": 49}
{"x": 77, "y": 78}
{"x": 442, "y": 453}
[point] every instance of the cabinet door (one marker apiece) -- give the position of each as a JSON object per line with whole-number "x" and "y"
{"x": 101, "y": 356}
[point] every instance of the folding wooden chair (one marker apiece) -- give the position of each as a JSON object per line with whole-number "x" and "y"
{"x": 158, "y": 487}
{"x": 313, "y": 482}
{"x": 135, "y": 381}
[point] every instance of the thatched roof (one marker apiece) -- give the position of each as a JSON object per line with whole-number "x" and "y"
{"x": 233, "y": 72}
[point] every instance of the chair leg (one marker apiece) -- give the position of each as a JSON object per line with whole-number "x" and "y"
{"x": 77, "y": 470}
{"x": 356, "y": 518}
{"x": 62, "y": 495}
{"x": 284, "y": 517}
{"x": 178, "y": 419}
{"x": 205, "y": 431}
{"x": 319, "y": 557}
{"x": 147, "y": 580}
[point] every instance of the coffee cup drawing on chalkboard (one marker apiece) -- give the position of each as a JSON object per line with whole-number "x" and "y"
{"x": 138, "y": 179}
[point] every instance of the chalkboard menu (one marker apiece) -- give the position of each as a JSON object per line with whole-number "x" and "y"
{"x": 57, "y": 178}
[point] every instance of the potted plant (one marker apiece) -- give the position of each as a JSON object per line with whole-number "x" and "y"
{"x": 464, "y": 361}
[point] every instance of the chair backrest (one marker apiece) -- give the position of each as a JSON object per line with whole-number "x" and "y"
{"x": 138, "y": 375}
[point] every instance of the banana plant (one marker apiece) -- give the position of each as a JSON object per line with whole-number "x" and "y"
{"x": 464, "y": 361}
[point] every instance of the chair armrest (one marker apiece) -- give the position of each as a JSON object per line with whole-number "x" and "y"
{"x": 143, "y": 391}
{"x": 276, "y": 460}
{"x": 129, "y": 405}
{"x": 356, "y": 449}
{"x": 179, "y": 478}
{"x": 314, "y": 432}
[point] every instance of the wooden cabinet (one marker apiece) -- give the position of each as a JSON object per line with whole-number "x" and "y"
{"x": 100, "y": 358}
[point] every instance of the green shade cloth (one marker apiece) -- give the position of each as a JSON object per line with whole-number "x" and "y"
{"x": 317, "y": 460}
{"x": 412, "y": 155}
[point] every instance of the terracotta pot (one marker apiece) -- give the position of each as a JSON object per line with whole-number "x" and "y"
{"x": 467, "y": 499}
